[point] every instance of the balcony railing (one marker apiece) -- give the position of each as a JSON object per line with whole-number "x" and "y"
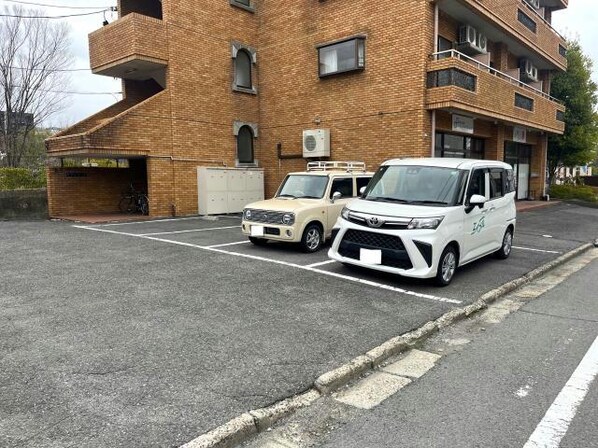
{"x": 543, "y": 39}
{"x": 541, "y": 17}
{"x": 491, "y": 93}
{"x": 480, "y": 65}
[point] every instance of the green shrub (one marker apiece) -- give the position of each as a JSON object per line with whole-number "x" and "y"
{"x": 21, "y": 179}
{"x": 582, "y": 192}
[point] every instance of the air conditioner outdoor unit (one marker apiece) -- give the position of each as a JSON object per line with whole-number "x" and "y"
{"x": 534, "y": 3}
{"x": 316, "y": 143}
{"x": 529, "y": 72}
{"x": 471, "y": 41}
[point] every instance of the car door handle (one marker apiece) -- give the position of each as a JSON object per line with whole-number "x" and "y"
{"x": 484, "y": 211}
{"x": 492, "y": 209}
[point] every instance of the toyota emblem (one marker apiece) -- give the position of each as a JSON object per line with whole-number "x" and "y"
{"x": 375, "y": 222}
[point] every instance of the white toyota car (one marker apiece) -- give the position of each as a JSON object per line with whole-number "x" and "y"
{"x": 426, "y": 217}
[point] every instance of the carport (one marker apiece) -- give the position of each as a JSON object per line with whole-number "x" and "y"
{"x": 88, "y": 185}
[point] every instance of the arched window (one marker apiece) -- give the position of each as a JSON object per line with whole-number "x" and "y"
{"x": 243, "y": 70}
{"x": 245, "y": 145}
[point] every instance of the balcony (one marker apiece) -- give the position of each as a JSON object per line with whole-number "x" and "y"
{"x": 468, "y": 85}
{"x": 523, "y": 28}
{"x": 555, "y": 4}
{"x": 133, "y": 47}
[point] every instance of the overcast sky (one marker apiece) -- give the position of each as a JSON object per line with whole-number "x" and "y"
{"x": 580, "y": 21}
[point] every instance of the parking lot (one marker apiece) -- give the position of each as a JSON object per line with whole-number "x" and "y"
{"x": 152, "y": 333}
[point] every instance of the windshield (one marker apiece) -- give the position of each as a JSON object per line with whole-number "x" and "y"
{"x": 421, "y": 185}
{"x": 303, "y": 186}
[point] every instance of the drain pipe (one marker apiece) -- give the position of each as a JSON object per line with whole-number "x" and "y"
{"x": 433, "y": 139}
{"x": 433, "y": 149}
{"x": 436, "y": 13}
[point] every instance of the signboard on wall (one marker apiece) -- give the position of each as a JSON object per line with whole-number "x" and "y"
{"x": 519, "y": 134}
{"x": 462, "y": 124}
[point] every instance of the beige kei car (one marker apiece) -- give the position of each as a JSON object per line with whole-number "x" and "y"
{"x": 306, "y": 206}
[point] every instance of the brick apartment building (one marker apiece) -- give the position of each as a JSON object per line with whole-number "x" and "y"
{"x": 236, "y": 82}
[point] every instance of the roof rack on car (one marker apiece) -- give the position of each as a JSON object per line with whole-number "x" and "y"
{"x": 337, "y": 166}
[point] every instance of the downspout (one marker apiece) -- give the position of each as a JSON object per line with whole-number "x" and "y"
{"x": 433, "y": 149}
{"x": 433, "y": 139}
{"x": 436, "y": 11}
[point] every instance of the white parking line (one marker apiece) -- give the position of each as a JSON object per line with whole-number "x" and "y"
{"x": 147, "y": 221}
{"x": 536, "y": 250}
{"x": 553, "y": 427}
{"x": 228, "y": 244}
{"x": 283, "y": 263}
{"x": 322, "y": 263}
{"x": 175, "y": 232}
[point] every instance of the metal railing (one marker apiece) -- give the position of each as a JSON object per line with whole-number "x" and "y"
{"x": 481, "y": 66}
{"x": 546, "y": 22}
{"x": 337, "y": 166}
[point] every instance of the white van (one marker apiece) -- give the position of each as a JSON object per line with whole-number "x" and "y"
{"x": 425, "y": 217}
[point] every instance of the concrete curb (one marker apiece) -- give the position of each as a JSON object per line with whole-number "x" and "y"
{"x": 241, "y": 428}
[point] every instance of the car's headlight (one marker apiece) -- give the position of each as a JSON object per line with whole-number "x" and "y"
{"x": 247, "y": 214}
{"x": 425, "y": 223}
{"x": 345, "y": 213}
{"x": 288, "y": 219}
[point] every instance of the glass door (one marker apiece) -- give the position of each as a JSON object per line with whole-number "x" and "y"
{"x": 519, "y": 155}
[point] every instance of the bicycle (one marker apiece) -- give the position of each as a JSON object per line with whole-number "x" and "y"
{"x": 134, "y": 201}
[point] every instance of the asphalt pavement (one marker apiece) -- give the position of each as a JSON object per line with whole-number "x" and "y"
{"x": 151, "y": 334}
{"x": 503, "y": 382}
{"x": 495, "y": 392}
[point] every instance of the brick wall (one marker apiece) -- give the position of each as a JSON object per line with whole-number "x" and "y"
{"x": 374, "y": 115}
{"x": 98, "y": 191}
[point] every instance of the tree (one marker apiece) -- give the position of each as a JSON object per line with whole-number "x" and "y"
{"x": 33, "y": 56}
{"x": 578, "y": 145}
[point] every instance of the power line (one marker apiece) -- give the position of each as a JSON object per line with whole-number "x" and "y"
{"x": 66, "y": 16}
{"x": 72, "y": 92}
{"x": 56, "y": 6}
{"x": 82, "y": 93}
{"x": 50, "y": 70}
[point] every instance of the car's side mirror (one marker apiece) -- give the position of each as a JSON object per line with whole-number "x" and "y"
{"x": 476, "y": 200}
{"x": 336, "y": 196}
{"x": 362, "y": 191}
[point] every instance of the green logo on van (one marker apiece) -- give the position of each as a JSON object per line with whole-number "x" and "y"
{"x": 478, "y": 226}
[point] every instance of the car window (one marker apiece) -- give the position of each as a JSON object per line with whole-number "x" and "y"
{"x": 496, "y": 183}
{"x": 361, "y": 182}
{"x": 477, "y": 184}
{"x": 424, "y": 185}
{"x": 508, "y": 181}
{"x": 303, "y": 186}
{"x": 344, "y": 186}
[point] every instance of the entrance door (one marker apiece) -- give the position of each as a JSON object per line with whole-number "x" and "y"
{"x": 519, "y": 156}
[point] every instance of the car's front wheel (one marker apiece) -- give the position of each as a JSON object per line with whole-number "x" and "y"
{"x": 312, "y": 238}
{"x": 507, "y": 246}
{"x": 447, "y": 266}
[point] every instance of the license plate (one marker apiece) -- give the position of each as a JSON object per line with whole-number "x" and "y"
{"x": 257, "y": 230}
{"x": 370, "y": 256}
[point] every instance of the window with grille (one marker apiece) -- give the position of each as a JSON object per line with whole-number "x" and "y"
{"x": 526, "y": 21}
{"x": 560, "y": 115}
{"x": 452, "y": 77}
{"x": 524, "y": 102}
